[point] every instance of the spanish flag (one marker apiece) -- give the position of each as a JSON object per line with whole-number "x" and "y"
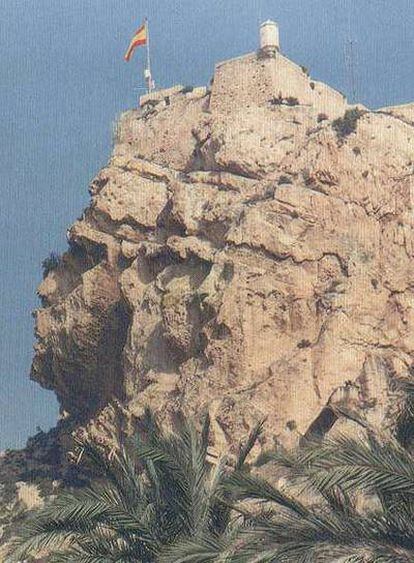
{"x": 140, "y": 38}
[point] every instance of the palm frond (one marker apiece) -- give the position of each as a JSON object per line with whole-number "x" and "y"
{"x": 353, "y": 464}
{"x": 159, "y": 499}
{"x": 247, "y": 447}
{"x": 199, "y": 549}
{"x": 50, "y": 540}
{"x": 247, "y": 487}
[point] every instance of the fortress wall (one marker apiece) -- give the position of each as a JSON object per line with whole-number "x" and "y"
{"x": 240, "y": 83}
{"x": 160, "y": 95}
{"x": 253, "y": 81}
{"x": 329, "y": 101}
{"x": 123, "y": 127}
{"x": 404, "y": 112}
{"x": 289, "y": 80}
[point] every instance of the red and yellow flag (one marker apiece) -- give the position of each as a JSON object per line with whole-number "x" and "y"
{"x": 139, "y": 38}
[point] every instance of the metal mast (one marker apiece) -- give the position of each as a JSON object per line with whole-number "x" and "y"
{"x": 147, "y": 72}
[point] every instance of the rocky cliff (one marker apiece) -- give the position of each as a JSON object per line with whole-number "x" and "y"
{"x": 248, "y": 251}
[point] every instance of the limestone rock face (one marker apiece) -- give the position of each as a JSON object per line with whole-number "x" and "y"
{"x": 242, "y": 255}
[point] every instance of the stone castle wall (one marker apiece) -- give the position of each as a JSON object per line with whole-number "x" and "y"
{"x": 253, "y": 80}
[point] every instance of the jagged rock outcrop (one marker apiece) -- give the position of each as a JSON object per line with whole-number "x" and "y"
{"x": 248, "y": 251}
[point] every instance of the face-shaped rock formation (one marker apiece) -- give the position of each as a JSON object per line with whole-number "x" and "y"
{"x": 248, "y": 251}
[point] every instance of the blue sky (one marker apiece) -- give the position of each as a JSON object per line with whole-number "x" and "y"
{"x": 63, "y": 82}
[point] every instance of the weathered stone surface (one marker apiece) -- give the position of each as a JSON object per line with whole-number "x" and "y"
{"x": 80, "y": 342}
{"x": 240, "y": 257}
{"x": 405, "y": 112}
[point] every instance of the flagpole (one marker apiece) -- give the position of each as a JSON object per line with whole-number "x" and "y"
{"x": 148, "y": 74}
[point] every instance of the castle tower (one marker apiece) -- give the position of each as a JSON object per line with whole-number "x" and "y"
{"x": 269, "y": 38}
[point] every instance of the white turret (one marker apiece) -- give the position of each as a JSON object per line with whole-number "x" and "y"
{"x": 269, "y": 37}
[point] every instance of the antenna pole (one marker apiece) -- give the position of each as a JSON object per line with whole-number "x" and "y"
{"x": 148, "y": 74}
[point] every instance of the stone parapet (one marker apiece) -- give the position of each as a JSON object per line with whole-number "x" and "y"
{"x": 160, "y": 95}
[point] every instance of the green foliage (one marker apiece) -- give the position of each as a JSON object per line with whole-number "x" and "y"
{"x": 280, "y": 100}
{"x": 277, "y": 100}
{"x": 155, "y": 497}
{"x": 51, "y": 263}
{"x": 322, "y": 522}
{"x": 405, "y": 420}
{"x": 284, "y": 180}
{"x": 292, "y": 101}
{"x": 345, "y": 126}
{"x": 178, "y": 508}
{"x": 322, "y": 117}
{"x": 317, "y": 516}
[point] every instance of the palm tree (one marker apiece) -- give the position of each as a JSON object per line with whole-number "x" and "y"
{"x": 153, "y": 493}
{"x": 323, "y": 523}
{"x": 316, "y": 515}
{"x": 179, "y": 508}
